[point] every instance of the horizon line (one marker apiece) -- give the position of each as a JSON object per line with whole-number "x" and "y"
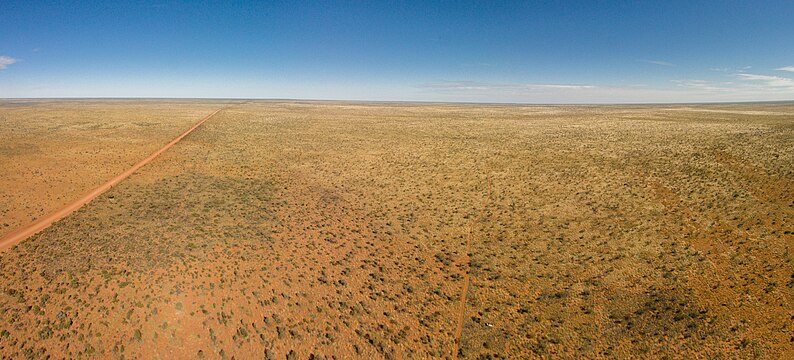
{"x": 401, "y": 101}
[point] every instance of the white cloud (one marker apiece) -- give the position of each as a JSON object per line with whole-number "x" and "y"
{"x": 767, "y": 81}
{"x": 748, "y": 84}
{"x": 473, "y": 85}
{"x": 559, "y": 86}
{"x": 739, "y": 87}
{"x": 5, "y": 61}
{"x": 742, "y": 69}
{"x": 658, "y": 62}
{"x": 702, "y": 85}
{"x": 538, "y": 93}
{"x": 786, "y": 68}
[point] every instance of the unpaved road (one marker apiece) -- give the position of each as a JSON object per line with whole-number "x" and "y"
{"x": 42, "y": 223}
{"x": 461, "y": 316}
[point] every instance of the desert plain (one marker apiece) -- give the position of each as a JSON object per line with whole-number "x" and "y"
{"x": 336, "y": 230}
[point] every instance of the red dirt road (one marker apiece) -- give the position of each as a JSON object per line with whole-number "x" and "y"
{"x": 24, "y": 232}
{"x": 461, "y": 317}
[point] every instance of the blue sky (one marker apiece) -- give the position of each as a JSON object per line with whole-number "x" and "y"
{"x": 489, "y": 51}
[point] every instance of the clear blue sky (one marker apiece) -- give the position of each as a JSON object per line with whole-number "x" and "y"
{"x": 491, "y": 51}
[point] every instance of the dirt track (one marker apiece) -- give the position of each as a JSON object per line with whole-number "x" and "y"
{"x": 24, "y": 232}
{"x": 464, "y": 293}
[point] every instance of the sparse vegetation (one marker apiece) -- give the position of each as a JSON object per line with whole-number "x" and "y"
{"x": 323, "y": 230}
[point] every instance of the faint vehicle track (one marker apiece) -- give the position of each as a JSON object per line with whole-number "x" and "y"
{"x": 42, "y": 223}
{"x": 775, "y": 189}
{"x": 461, "y": 316}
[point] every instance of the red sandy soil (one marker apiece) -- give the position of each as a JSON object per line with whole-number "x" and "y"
{"x": 53, "y": 152}
{"x": 26, "y": 231}
{"x": 335, "y": 230}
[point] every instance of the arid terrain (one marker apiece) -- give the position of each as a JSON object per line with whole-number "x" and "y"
{"x": 51, "y": 152}
{"x": 322, "y": 230}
